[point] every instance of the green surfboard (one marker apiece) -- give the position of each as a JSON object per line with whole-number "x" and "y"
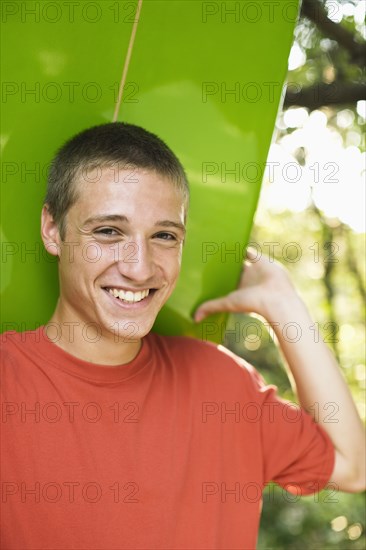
{"x": 207, "y": 77}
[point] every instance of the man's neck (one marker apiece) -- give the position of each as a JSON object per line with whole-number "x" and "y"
{"x": 87, "y": 343}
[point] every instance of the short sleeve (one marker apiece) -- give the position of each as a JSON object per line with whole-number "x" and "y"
{"x": 297, "y": 452}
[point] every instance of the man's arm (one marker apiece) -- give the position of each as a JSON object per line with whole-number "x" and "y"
{"x": 265, "y": 288}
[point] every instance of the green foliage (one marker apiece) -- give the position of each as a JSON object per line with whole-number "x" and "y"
{"x": 295, "y": 523}
{"x": 327, "y": 266}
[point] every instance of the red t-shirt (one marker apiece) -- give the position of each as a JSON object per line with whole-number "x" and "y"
{"x": 169, "y": 451}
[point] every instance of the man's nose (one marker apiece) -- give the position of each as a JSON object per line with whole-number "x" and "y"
{"x": 135, "y": 261}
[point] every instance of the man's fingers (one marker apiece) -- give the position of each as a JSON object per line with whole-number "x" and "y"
{"x": 212, "y": 306}
{"x": 251, "y": 253}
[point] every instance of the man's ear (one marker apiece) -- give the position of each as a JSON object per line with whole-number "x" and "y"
{"x": 50, "y": 233}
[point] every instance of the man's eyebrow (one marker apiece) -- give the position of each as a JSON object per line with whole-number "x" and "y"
{"x": 106, "y": 218}
{"x": 169, "y": 223}
{"x": 120, "y": 218}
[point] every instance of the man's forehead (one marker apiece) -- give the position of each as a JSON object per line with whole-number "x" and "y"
{"x": 106, "y": 194}
{"x": 127, "y": 190}
{"x": 118, "y": 173}
{"x": 111, "y": 181}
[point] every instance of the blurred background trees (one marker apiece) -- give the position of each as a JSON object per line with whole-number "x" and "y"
{"x": 311, "y": 217}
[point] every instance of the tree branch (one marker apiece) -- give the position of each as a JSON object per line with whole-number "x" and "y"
{"x": 337, "y": 93}
{"x": 329, "y": 266}
{"x": 315, "y": 11}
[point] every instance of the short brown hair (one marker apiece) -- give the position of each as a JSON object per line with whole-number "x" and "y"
{"x": 116, "y": 143}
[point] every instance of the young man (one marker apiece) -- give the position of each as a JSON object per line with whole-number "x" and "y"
{"x": 118, "y": 438}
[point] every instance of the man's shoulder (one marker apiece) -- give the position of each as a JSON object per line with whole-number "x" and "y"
{"x": 12, "y": 338}
{"x": 211, "y": 365}
{"x": 200, "y": 352}
{"x": 188, "y": 344}
{"x": 14, "y": 345}
{"x": 17, "y": 355}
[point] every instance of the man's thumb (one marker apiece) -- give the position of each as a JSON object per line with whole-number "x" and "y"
{"x": 210, "y": 307}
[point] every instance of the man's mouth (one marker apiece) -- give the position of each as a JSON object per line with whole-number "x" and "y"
{"x": 129, "y": 296}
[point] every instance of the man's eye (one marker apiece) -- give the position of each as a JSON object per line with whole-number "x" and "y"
{"x": 166, "y": 236}
{"x": 106, "y": 231}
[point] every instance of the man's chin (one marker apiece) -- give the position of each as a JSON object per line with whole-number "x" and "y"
{"x": 128, "y": 337}
{"x": 130, "y": 331}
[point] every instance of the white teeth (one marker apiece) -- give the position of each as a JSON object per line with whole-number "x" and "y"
{"x": 129, "y": 296}
{"x": 137, "y": 297}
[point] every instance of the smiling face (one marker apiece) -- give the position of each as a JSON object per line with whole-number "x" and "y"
{"x": 122, "y": 252}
